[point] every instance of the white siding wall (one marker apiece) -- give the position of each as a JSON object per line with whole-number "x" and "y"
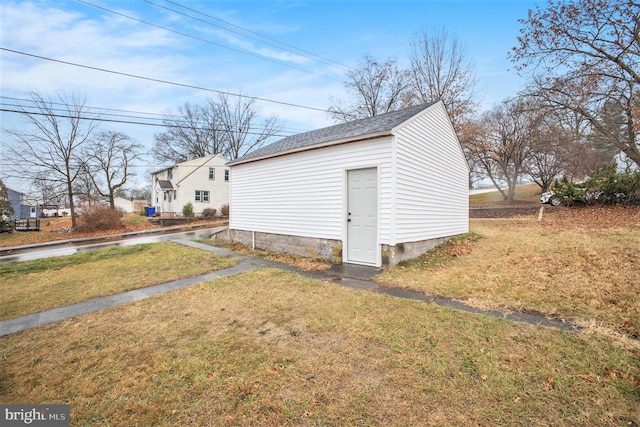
{"x": 302, "y": 194}
{"x": 187, "y": 177}
{"x": 196, "y": 177}
{"x": 432, "y": 191}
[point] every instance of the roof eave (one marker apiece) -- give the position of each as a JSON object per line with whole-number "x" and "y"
{"x": 164, "y": 169}
{"x": 313, "y": 147}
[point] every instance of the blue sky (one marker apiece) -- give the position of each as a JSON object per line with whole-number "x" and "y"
{"x": 218, "y": 59}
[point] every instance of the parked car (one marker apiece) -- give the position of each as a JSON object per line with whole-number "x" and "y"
{"x": 549, "y": 197}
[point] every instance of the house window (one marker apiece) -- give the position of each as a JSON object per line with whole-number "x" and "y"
{"x": 226, "y": 174}
{"x": 175, "y": 194}
{"x": 212, "y": 174}
{"x": 202, "y": 196}
{"x": 165, "y": 196}
{"x": 169, "y": 174}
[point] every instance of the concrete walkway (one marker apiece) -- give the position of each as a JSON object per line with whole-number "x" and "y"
{"x": 351, "y": 276}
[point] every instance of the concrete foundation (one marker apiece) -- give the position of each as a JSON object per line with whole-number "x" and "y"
{"x": 327, "y": 249}
{"x": 393, "y": 255}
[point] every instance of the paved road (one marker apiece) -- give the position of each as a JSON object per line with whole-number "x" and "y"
{"x": 69, "y": 247}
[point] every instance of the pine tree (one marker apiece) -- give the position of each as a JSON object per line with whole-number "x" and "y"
{"x": 6, "y": 210}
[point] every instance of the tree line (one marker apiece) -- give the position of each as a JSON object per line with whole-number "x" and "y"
{"x": 579, "y": 110}
{"x": 62, "y": 152}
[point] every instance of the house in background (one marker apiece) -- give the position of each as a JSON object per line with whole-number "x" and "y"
{"x": 204, "y": 182}
{"x": 375, "y": 191}
{"x": 130, "y": 205}
{"x": 23, "y": 206}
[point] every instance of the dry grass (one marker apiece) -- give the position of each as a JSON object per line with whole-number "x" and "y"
{"x": 576, "y": 263}
{"x": 33, "y": 286}
{"x": 525, "y": 196}
{"x": 272, "y": 348}
{"x": 303, "y": 263}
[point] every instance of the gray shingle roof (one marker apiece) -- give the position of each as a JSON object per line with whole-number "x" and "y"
{"x": 356, "y": 128}
{"x": 165, "y": 185}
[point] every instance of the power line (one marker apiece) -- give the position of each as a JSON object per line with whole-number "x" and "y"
{"x": 163, "y": 117}
{"x": 93, "y": 108}
{"x": 99, "y": 119}
{"x": 104, "y": 70}
{"x": 277, "y": 43}
{"x": 205, "y": 40}
{"x": 6, "y": 104}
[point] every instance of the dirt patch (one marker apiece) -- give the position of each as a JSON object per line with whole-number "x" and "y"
{"x": 563, "y": 216}
{"x": 504, "y": 212}
{"x": 593, "y": 217}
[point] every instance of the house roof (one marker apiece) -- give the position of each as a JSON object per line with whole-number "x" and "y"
{"x": 341, "y": 132}
{"x": 197, "y": 161}
{"x": 165, "y": 185}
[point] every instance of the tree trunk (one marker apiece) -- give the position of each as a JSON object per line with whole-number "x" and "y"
{"x": 71, "y": 203}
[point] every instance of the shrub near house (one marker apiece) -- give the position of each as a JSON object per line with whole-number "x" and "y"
{"x": 187, "y": 210}
{"x": 605, "y": 187}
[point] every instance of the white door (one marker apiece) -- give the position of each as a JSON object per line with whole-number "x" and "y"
{"x": 362, "y": 216}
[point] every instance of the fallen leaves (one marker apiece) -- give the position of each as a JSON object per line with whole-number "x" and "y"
{"x": 591, "y": 217}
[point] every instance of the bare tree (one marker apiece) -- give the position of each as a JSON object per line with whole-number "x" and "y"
{"x": 586, "y": 53}
{"x": 143, "y": 193}
{"x": 52, "y": 193}
{"x": 192, "y": 133}
{"x": 376, "y": 88}
{"x": 85, "y": 189}
{"x": 503, "y": 147}
{"x": 470, "y": 136}
{"x": 224, "y": 125}
{"x": 440, "y": 70}
{"x": 50, "y": 143}
{"x": 580, "y": 155}
{"x": 548, "y": 153}
{"x": 108, "y": 161}
{"x": 596, "y": 103}
{"x": 237, "y": 119}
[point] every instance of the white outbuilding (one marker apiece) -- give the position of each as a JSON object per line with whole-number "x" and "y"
{"x": 374, "y": 191}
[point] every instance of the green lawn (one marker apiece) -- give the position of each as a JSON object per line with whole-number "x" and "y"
{"x": 32, "y": 286}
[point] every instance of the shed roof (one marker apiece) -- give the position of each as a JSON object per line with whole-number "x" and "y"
{"x": 344, "y": 131}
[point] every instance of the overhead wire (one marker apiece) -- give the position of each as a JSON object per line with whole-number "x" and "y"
{"x": 204, "y": 40}
{"x": 161, "y": 116}
{"x": 173, "y": 119}
{"x": 91, "y": 107}
{"x": 289, "y": 104}
{"x": 164, "y": 124}
{"x": 101, "y": 119}
{"x": 276, "y": 43}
